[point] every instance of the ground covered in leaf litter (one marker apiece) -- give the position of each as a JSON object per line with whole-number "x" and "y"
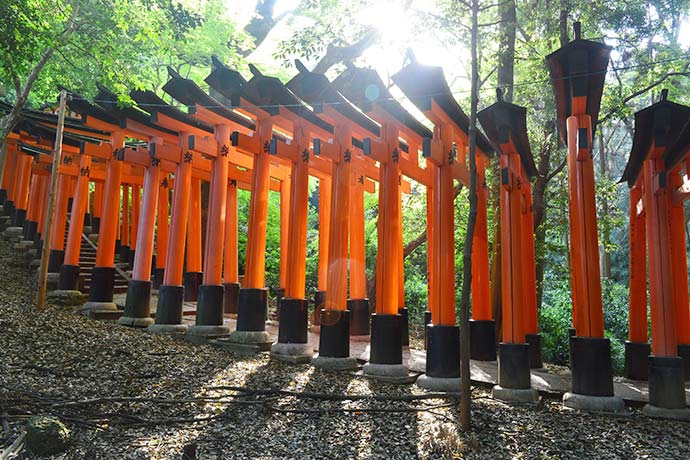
{"x": 126, "y": 394}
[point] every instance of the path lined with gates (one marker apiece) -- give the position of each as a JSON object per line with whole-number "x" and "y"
{"x": 120, "y": 163}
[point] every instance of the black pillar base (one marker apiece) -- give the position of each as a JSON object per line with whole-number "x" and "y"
{"x": 3, "y": 195}
{"x": 251, "y": 309}
{"x": 637, "y": 360}
{"x": 118, "y": 245}
{"x": 70, "y": 202}
{"x": 102, "y": 284}
{"x": 334, "y": 341}
{"x": 443, "y": 351}
{"x": 30, "y": 228}
{"x": 591, "y": 363}
{"x": 157, "y": 277}
{"x": 130, "y": 258}
{"x": 192, "y": 281}
{"x": 87, "y": 219}
{"x": 535, "y": 359}
{"x": 19, "y": 217}
{"x": 483, "y": 340}
{"x": 95, "y": 224}
{"x": 169, "y": 309}
{"x": 8, "y": 208}
{"x": 280, "y": 293}
{"x": 684, "y": 352}
{"x": 294, "y": 321}
{"x": 666, "y": 386}
{"x": 427, "y": 322}
{"x": 359, "y": 316}
{"x": 513, "y": 366}
{"x": 319, "y": 304}
{"x": 38, "y": 243}
{"x": 386, "y": 342}
{"x": 55, "y": 260}
{"x": 209, "y": 308}
{"x": 404, "y": 327}
{"x": 124, "y": 253}
{"x": 231, "y": 298}
{"x": 138, "y": 301}
{"x": 69, "y": 278}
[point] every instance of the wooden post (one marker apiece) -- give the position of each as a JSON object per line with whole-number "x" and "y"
{"x": 57, "y": 156}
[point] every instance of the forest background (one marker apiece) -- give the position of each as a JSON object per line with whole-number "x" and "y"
{"x": 126, "y": 44}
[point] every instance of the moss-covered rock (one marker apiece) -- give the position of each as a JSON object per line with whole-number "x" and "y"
{"x": 46, "y": 435}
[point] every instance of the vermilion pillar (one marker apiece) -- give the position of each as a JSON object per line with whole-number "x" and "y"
{"x": 32, "y": 211}
{"x": 21, "y": 199}
{"x": 253, "y": 297}
{"x": 9, "y": 178}
{"x": 482, "y": 326}
{"x": 134, "y": 227}
{"x": 637, "y": 348}
{"x": 124, "y": 228}
{"x": 284, "y": 226}
{"x": 162, "y": 225}
{"x": 334, "y": 342}
{"x": 679, "y": 268}
{"x": 103, "y": 274}
{"x": 294, "y": 311}
{"x": 209, "y": 311}
{"x": 325, "y": 189}
{"x": 137, "y": 304}
{"x": 193, "y": 274}
{"x": 97, "y": 207}
{"x": 57, "y": 238}
{"x": 532, "y": 335}
{"x": 387, "y": 331}
{"x": 69, "y": 272}
{"x": 358, "y": 303}
{"x": 230, "y": 251}
{"x": 171, "y": 292}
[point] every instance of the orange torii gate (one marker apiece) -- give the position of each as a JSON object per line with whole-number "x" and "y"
{"x": 578, "y": 71}
{"x": 506, "y": 126}
{"x": 276, "y": 110}
{"x": 397, "y": 153}
{"x": 446, "y": 152}
{"x": 347, "y": 121}
{"x": 657, "y": 173}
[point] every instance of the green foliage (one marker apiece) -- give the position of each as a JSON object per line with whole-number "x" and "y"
{"x": 555, "y": 318}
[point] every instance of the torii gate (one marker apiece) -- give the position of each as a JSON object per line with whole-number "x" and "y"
{"x": 657, "y": 173}
{"x": 506, "y": 126}
{"x": 578, "y": 71}
{"x": 427, "y": 88}
{"x": 347, "y": 121}
{"x": 389, "y": 328}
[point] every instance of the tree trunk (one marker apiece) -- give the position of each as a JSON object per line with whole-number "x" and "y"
{"x": 465, "y": 395}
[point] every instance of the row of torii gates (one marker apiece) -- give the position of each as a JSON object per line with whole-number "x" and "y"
{"x": 352, "y": 134}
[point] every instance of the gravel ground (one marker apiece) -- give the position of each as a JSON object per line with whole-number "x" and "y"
{"x": 129, "y": 395}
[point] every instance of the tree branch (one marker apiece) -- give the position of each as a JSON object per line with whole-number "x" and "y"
{"x": 336, "y": 54}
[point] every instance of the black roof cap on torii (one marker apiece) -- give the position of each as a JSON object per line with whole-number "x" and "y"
{"x": 87, "y": 109}
{"x": 661, "y": 123}
{"x": 424, "y": 83}
{"x": 189, "y": 93}
{"x": 501, "y": 118}
{"x": 109, "y": 101}
{"x": 153, "y": 104}
{"x": 228, "y": 82}
{"x": 316, "y": 90}
{"x": 269, "y": 94}
{"x": 364, "y": 88}
{"x": 578, "y": 69}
